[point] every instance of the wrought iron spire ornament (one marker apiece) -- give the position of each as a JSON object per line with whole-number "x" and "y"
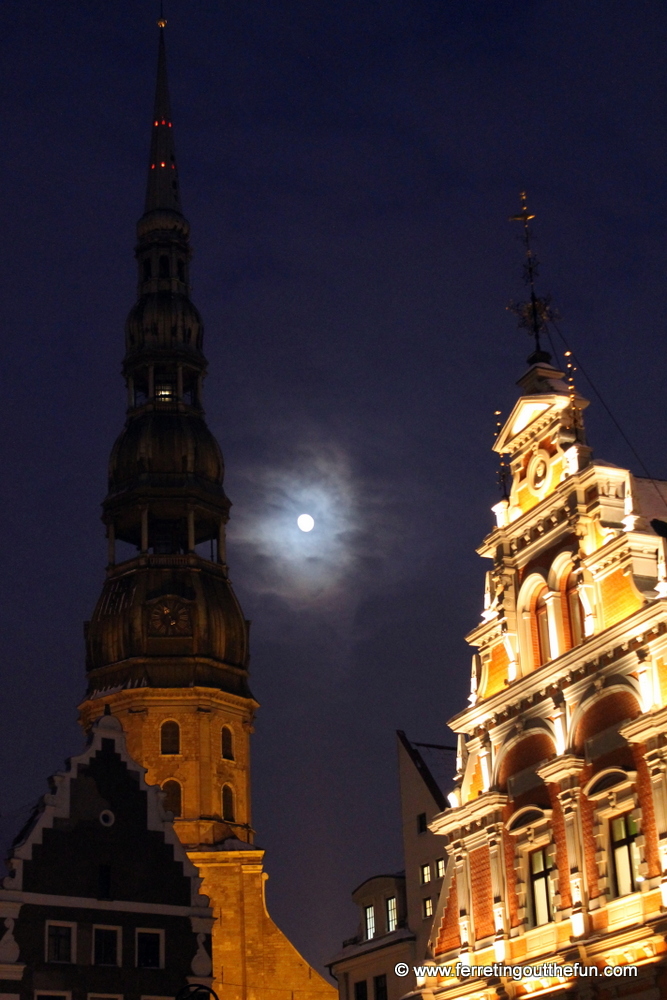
{"x": 536, "y": 312}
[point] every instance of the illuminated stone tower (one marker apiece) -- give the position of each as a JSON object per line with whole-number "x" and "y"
{"x": 167, "y": 645}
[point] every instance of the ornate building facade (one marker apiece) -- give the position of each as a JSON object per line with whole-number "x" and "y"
{"x": 167, "y": 645}
{"x": 556, "y": 834}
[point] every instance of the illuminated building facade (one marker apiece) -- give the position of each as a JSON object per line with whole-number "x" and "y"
{"x": 167, "y": 645}
{"x": 556, "y": 835}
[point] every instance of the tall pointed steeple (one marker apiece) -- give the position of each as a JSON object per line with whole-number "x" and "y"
{"x": 168, "y": 623}
{"x": 162, "y": 188}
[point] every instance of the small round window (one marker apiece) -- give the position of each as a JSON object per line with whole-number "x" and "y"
{"x": 107, "y": 818}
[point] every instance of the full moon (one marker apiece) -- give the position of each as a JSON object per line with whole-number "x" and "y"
{"x": 305, "y": 522}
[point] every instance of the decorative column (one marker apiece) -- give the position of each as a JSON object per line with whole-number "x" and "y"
{"x": 564, "y": 772}
{"x": 554, "y": 620}
{"x": 650, "y": 729}
{"x": 463, "y": 895}
{"x": 494, "y": 836}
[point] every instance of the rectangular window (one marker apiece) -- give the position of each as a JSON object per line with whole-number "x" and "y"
{"x": 52, "y": 995}
{"x": 60, "y": 941}
{"x": 539, "y": 887}
{"x": 421, "y": 823}
{"x": 440, "y": 868}
{"x": 149, "y": 948}
{"x": 424, "y": 874}
{"x": 380, "y": 987}
{"x": 361, "y": 990}
{"x": 392, "y": 914}
{"x": 106, "y": 946}
{"x": 369, "y": 922}
{"x": 625, "y": 855}
{"x": 427, "y": 908}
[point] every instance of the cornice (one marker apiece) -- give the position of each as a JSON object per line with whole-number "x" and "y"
{"x": 583, "y": 661}
{"x": 468, "y": 814}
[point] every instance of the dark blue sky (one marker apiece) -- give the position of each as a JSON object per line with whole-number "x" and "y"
{"x": 348, "y": 169}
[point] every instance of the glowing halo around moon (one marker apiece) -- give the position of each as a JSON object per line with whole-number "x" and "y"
{"x": 305, "y": 522}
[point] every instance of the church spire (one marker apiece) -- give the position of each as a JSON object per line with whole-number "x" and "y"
{"x": 162, "y": 188}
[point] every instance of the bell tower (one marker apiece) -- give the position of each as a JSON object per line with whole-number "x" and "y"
{"x": 167, "y": 645}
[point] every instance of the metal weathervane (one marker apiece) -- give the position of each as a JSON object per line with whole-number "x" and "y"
{"x": 536, "y": 313}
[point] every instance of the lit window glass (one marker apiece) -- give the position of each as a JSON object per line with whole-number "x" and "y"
{"x": 427, "y": 908}
{"x": 392, "y": 914}
{"x": 625, "y": 854}
{"x": 164, "y": 392}
{"x": 539, "y": 887}
{"x": 369, "y": 922}
{"x": 424, "y": 874}
{"x": 440, "y": 868}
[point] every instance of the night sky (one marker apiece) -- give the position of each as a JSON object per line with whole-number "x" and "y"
{"x": 348, "y": 170}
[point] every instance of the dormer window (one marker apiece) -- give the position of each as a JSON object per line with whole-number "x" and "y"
{"x": 369, "y": 922}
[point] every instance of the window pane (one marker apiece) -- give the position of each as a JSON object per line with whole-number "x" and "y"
{"x": 172, "y": 797}
{"x": 361, "y": 990}
{"x": 380, "y": 987}
{"x": 427, "y": 907}
{"x": 369, "y": 922}
{"x": 105, "y": 947}
{"x": 624, "y": 881}
{"x": 148, "y": 950}
{"x": 170, "y": 738}
{"x": 59, "y": 944}
{"x": 440, "y": 868}
{"x": 541, "y": 902}
{"x": 618, "y": 829}
{"x": 227, "y": 747}
{"x": 421, "y": 823}
{"x": 537, "y": 862}
{"x": 425, "y": 873}
{"x": 228, "y": 804}
{"x": 392, "y": 914}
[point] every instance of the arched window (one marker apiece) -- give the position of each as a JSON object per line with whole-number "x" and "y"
{"x": 172, "y": 797}
{"x": 542, "y": 623}
{"x": 180, "y": 267}
{"x": 227, "y": 743}
{"x": 147, "y": 270}
{"x": 228, "y": 803}
{"x": 164, "y": 266}
{"x": 170, "y": 738}
{"x": 575, "y": 611}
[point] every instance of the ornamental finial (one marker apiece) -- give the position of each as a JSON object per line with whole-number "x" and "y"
{"x": 536, "y": 313}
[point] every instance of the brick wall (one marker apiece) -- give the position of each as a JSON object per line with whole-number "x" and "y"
{"x": 482, "y": 896}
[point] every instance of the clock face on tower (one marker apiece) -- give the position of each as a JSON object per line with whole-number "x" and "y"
{"x": 169, "y": 616}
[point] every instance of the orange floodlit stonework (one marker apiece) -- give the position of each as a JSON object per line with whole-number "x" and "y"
{"x": 557, "y": 827}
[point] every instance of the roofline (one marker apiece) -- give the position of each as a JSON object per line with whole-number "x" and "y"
{"x": 423, "y": 769}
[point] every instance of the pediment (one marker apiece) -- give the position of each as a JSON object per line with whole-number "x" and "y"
{"x": 526, "y": 411}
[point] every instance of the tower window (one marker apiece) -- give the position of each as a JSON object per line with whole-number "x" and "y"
{"x": 539, "y": 887}
{"x": 164, "y": 392}
{"x": 624, "y": 832}
{"x": 170, "y": 738}
{"x": 228, "y": 803}
{"x": 181, "y": 270}
{"x": 147, "y": 270}
{"x": 172, "y": 797}
{"x": 369, "y": 922}
{"x": 164, "y": 266}
{"x": 227, "y": 743}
